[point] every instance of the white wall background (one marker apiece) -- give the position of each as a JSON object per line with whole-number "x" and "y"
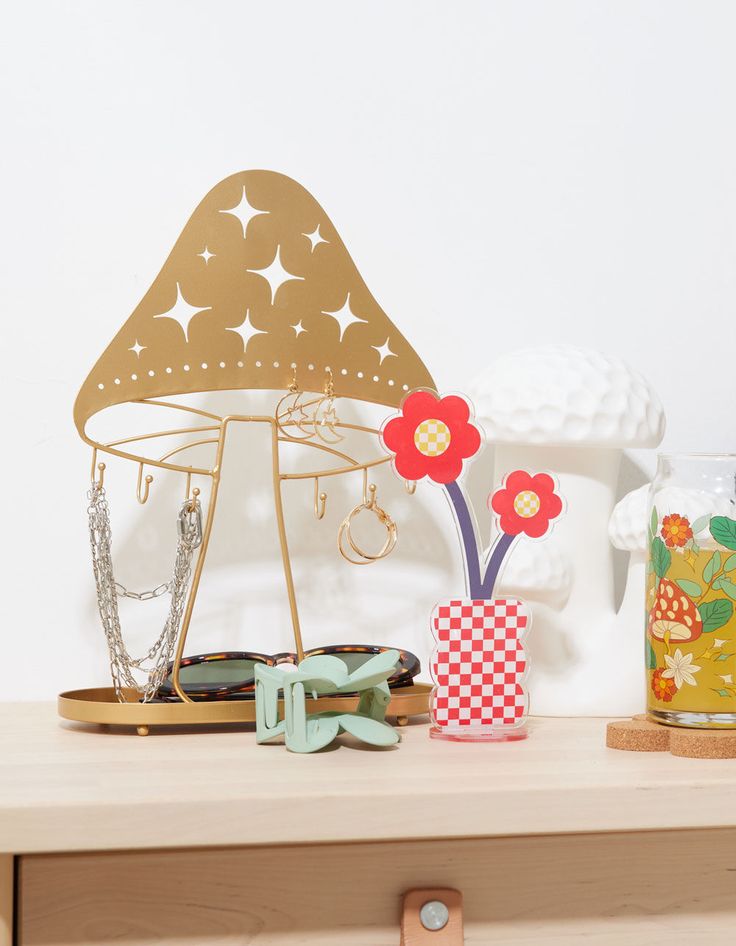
{"x": 504, "y": 174}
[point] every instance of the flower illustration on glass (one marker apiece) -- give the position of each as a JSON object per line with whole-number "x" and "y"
{"x": 664, "y": 688}
{"x": 432, "y": 436}
{"x": 680, "y": 668}
{"x": 689, "y": 597}
{"x": 676, "y": 531}
{"x": 526, "y": 504}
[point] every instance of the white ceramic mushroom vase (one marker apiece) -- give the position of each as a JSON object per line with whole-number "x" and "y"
{"x": 573, "y": 411}
{"x": 627, "y": 530}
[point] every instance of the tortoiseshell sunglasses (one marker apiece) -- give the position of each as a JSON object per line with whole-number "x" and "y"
{"x": 231, "y": 675}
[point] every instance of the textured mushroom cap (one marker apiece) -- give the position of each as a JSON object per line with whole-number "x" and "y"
{"x": 560, "y": 394}
{"x": 537, "y": 571}
{"x": 627, "y": 527}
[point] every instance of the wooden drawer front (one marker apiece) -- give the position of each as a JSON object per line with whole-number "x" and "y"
{"x": 645, "y": 888}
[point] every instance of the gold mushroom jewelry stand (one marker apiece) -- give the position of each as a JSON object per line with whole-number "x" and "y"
{"x": 259, "y": 292}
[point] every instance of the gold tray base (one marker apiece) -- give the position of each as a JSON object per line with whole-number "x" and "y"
{"x": 100, "y": 705}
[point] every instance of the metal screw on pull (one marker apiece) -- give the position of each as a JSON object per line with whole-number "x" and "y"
{"x": 434, "y": 915}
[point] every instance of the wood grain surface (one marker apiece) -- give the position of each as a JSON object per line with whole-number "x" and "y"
{"x": 64, "y": 788}
{"x": 644, "y": 889}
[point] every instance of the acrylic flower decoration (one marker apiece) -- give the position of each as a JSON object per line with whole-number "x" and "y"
{"x": 432, "y": 436}
{"x": 526, "y": 503}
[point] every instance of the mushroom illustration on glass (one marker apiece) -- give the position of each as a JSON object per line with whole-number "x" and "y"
{"x": 690, "y": 592}
{"x": 670, "y": 547}
{"x": 479, "y": 663}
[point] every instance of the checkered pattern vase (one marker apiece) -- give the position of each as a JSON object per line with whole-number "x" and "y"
{"x": 479, "y": 664}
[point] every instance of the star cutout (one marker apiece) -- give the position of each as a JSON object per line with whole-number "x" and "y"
{"x": 138, "y": 348}
{"x": 275, "y": 274}
{"x": 315, "y": 238}
{"x": 344, "y": 316}
{"x": 182, "y": 312}
{"x": 298, "y": 328}
{"x": 244, "y": 212}
{"x": 206, "y": 256}
{"x": 384, "y": 351}
{"x": 246, "y": 330}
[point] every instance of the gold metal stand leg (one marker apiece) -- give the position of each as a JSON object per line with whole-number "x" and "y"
{"x": 402, "y": 720}
{"x": 7, "y": 897}
{"x": 142, "y": 730}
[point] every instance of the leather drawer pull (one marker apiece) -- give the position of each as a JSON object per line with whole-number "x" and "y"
{"x": 432, "y": 916}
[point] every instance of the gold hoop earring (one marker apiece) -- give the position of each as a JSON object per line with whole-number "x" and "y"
{"x": 367, "y": 558}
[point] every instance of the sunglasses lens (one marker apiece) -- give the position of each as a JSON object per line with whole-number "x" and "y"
{"x": 217, "y": 672}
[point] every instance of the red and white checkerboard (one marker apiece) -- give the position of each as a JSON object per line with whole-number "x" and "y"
{"x": 479, "y": 663}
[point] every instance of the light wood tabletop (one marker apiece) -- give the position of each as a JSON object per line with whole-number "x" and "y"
{"x": 182, "y": 837}
{"x": 64, "y": 787}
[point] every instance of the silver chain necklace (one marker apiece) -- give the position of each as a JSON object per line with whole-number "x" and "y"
{"x": 156, "y": 661}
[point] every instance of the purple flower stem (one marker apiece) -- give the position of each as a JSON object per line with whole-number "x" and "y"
{"x": 500, "y": 549}
{"x": 468, "y": 535}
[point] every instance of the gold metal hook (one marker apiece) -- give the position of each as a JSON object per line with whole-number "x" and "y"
{"x": 100, "y": 467}
{"x": 369, "y": 492}
{"x": 410, "y": 486}
{"x": 329, "y": 383}
{"x": 320, "y": 500}
{"x": 149, "y": 479}
{"x": 293, "y": 387}
{"x": 190, "y": 495}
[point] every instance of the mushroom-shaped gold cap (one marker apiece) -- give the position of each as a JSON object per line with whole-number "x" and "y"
{"x": 258, "y": 286}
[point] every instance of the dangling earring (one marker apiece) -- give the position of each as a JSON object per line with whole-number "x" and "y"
{"x": 290, "y": 414}
{"x": 369, "y": 503}
{"x": 325, "y": 419}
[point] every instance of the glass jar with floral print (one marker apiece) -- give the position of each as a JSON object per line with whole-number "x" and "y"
{"x": 691, "y": 592}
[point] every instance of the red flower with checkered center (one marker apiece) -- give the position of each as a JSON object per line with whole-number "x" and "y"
{"x": 432, "y": 436}
{"x": 526, "y": 503}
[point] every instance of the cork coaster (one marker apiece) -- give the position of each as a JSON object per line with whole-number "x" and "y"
{"x": 642, "y": 735}
{"x": 704, "y": 743}
{"x": 637, "y": 735}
